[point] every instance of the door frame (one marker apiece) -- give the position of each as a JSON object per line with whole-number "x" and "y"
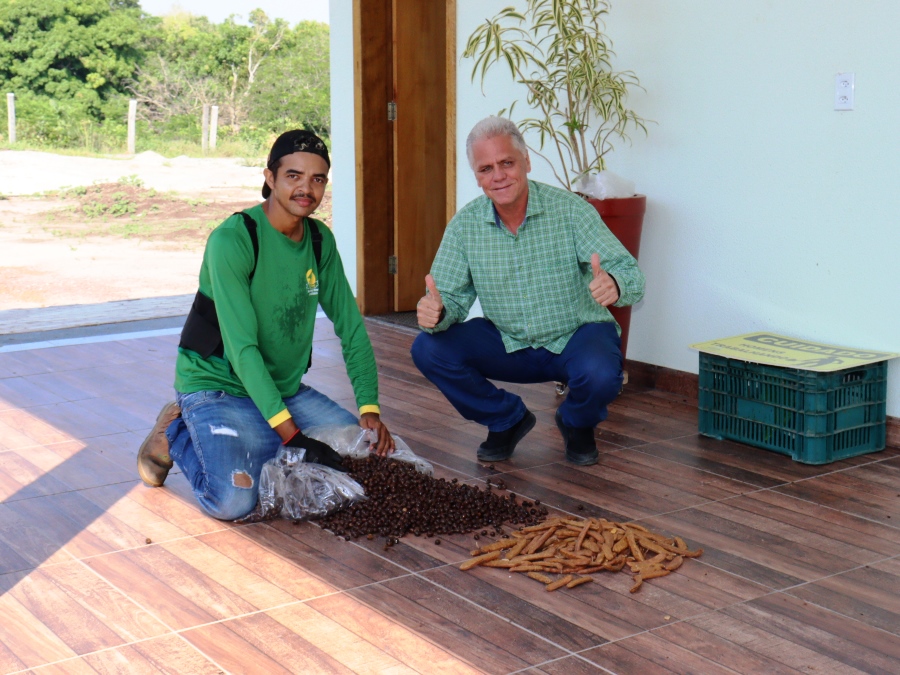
{"x": 372, "y": 90}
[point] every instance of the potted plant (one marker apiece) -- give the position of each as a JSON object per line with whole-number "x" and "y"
{"x": 559, "y": 51}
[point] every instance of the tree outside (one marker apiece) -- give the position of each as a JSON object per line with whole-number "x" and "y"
{"x": 74, "y": 64}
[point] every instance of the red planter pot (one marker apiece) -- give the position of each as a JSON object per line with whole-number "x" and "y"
{"x": 625, "y": 219}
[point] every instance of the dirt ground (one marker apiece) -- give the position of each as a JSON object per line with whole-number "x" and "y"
{"x": 78, "y": 230}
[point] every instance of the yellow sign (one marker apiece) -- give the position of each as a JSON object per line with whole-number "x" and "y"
{"x": 778, "y": 350}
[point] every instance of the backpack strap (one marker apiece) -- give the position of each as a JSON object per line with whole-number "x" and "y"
{"x": 314, "y": 232}
{"x": 316, "y": 240}
{"x": 201, "y": 331}
{"x": 250, "y": 224}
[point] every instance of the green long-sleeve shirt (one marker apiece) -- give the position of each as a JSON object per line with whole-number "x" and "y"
{"x": 267, "y": 325}
{"x": 533, "y": 285}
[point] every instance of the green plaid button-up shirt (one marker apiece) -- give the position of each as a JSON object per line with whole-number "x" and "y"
{"x": 533, "y": 285}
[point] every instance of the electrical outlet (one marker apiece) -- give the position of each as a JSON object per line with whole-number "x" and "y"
{"x": 844, "y": 88}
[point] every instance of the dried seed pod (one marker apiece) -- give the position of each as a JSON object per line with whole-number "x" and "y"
{"x": 402, "y": 500}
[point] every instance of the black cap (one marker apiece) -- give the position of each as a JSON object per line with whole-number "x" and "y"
{"x": 296, "y": 140}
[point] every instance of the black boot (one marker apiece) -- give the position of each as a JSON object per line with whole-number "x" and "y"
{"x": 501, "y": 444}
{"x": 581, "y": 449}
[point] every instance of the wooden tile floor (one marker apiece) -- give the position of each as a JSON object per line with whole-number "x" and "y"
{"x": 801, "y": 570}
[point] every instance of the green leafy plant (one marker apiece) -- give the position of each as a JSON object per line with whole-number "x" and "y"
{"x": 121, "y": 205}
{"x": 133, "y": 180}
{"x": 559, "y": 51}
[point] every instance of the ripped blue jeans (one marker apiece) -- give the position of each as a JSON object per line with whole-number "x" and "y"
{"x": 220, "y": 442}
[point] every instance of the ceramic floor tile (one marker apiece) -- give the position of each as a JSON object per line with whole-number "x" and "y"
{"x": 175, "y": 503}
{"x": 168, "y": 654}
{"x": 74, "y": 524}
{"x": 455, "y": 625}
{"x": 807, "y": 637}
{"x": 79, "y": 609}
{"x": 323, "y": 555}
{"x": 648, "y": 653}
{"x": 25, "y": 543}
{"x": 83, "y": 591}
{"x": 260, "y": 644}
{"x": 869, "y": 594}
{"x": 126, "y": 505}
{"x": 171, "y": 589}
{"x": 22, "y": 479}
{"x": 361, "y": 625}
{"x": 26, "y": 638}
{"x": 74, "y": 464}
{"x": 871, "y": 491}
{"x": 594, "y": 613}
{"x": 747, "y": 464}
{"x": 622, "y": 486}
{"x": 32, "y": 427}
{"x": 20, "y": 392}
{"x": 570, "y": 665}
{"x": 275, "y": 557}
{"x": 757, "y": 546}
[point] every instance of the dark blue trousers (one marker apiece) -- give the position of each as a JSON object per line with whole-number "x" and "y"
{"x": 463, "y": 359}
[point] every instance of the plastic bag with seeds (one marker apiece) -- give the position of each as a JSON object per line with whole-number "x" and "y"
{"x": 351, "y": 441}
{"x": 297, "y": 490}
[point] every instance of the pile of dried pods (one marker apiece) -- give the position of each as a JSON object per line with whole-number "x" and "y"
{"x": 400, "y": 500}
{"x": 571, "y": 549}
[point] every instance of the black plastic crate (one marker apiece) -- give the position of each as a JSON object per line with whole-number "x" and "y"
{"x": 816, "y": 418}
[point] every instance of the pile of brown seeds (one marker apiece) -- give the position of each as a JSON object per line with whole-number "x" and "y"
{"x": 400, "y": 500}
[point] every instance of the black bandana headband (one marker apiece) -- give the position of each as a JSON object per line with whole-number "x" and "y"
{"x": 298, "y": 140}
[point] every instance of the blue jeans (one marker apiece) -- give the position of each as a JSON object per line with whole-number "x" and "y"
{"x": 461, "y": 360}
{"x": 220, "y": 442}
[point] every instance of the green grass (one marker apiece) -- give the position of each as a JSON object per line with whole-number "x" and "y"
{"x": 131, "y": 229}
{"x": 70, "y": 152}
{"x": 250, "y": 153}
{"x": 133, "y": 180}
{"x": 122, "y": 205}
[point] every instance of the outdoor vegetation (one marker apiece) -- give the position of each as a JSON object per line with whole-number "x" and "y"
{"x": 73, "y": 65}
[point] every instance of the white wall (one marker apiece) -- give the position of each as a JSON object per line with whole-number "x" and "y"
{"x": 343, "y": 148}
{"x": 767, "y": 210}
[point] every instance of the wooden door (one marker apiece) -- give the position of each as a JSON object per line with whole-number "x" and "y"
{"x": 404, "y": 54}
{"x": 420, "y": 144}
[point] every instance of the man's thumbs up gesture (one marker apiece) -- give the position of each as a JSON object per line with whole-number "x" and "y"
{"x": 603, "y": 287}
{"x": 429, "y": 308}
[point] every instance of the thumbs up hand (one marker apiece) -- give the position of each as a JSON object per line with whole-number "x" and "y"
{"x": 603, "y": 287}
{"x": 429, "y": 308}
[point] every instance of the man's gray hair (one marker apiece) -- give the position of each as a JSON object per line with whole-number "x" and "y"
{"x": 491, "y": 127}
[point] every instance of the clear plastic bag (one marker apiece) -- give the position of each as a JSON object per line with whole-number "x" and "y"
{"x": 604, "y": 185}
{"x": 297, "y": 490}
{"x": 351, "y": 441}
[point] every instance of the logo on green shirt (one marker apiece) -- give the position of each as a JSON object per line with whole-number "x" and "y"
{"x": 312, "y": 284}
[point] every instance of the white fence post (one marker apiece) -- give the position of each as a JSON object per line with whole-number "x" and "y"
{"x": 204, "y": 133}
{"x": 213, "y": 127}
{"x": 11, "y": 117}
{"x": 132, "y": 116}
